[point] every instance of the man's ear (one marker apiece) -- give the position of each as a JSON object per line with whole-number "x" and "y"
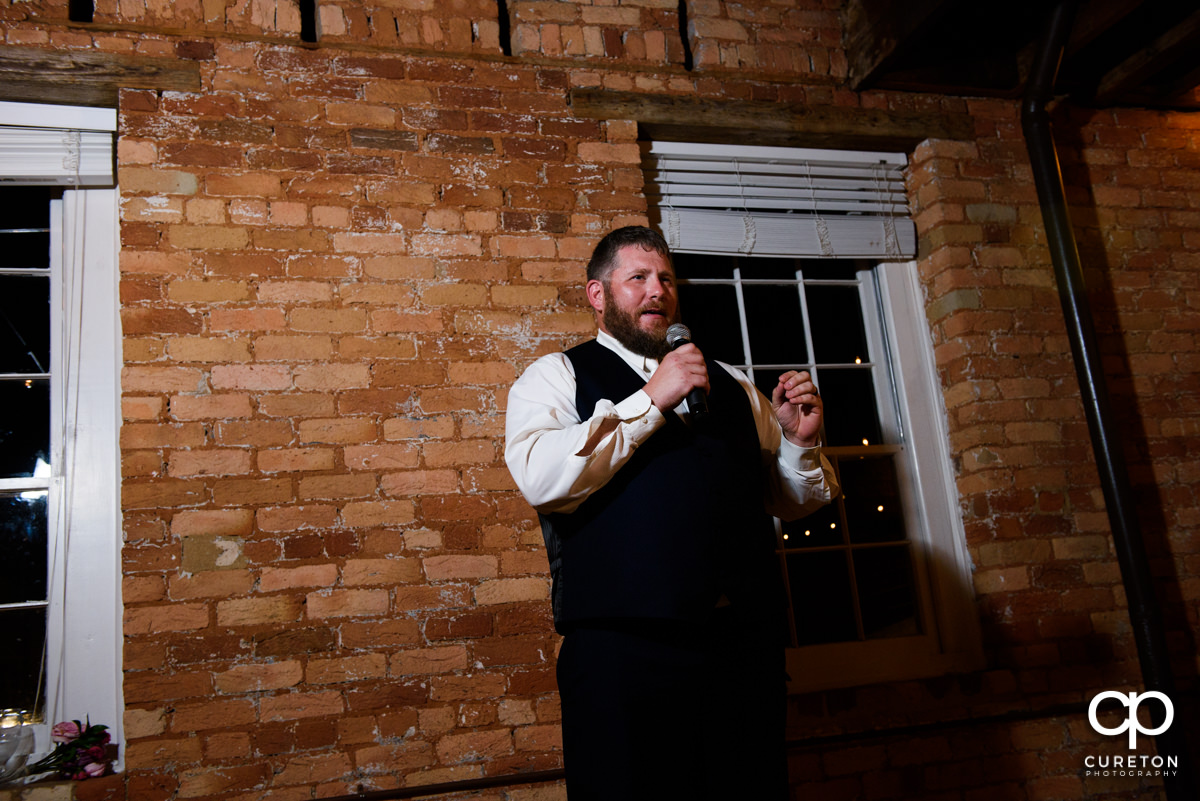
{"x": 595, "y": 295}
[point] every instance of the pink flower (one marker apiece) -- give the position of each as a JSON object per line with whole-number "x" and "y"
{"x": 65, "y": 732}
{"x": 94, "y": 769}
{"x": 87, "y": 756}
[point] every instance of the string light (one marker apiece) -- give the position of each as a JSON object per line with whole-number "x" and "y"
{"x": 879, "y": 508}
{"x": 808, "y": 533}
{"x": 865, "y": 441}
{"x": 857, "y": 360}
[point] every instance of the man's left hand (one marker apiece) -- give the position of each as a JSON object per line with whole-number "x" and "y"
{"x": 799, "y": 408}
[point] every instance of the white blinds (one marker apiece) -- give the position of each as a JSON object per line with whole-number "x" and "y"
{"x": 68, "y": 146}
{"x": 775, "y": 201}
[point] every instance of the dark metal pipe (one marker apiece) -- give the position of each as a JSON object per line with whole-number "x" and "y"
{"x": 1144, "y": 612}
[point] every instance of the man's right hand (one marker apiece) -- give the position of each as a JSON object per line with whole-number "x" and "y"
{"x": 678, "y": 373}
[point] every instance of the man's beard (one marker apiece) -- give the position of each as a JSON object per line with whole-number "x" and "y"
{"x": 624, "y": 327}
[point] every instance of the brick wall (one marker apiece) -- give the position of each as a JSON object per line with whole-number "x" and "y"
{"x": 335, "y": 260}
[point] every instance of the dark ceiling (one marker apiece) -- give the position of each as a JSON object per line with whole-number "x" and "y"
{"x": 1121, "y": 52}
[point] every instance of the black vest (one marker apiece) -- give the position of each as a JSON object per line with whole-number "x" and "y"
{"x": 681, "y": 523}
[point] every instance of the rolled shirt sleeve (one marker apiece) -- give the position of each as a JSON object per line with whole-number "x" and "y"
{"x": 558, "y": 459}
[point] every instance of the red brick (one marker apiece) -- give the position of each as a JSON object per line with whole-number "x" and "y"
{"x": 212, "y": 714}
{"x": 443, "y": 568}
{"x": 338, "y": 430}
{"x": 273, "y": 579}
{"x": 381, "y": 457}
{"x": 386, "y": 572}
{"x": 272, "y": 609}
{"x": 294, "y": 518}
{"x": 183, "y": 464}
{"x": 210, "y": 407}
{"x": 475, "y": 746}
{"x": 256, "y": 678}
{"x": 336, "y": 671}
{"x": 150, "y": 687}
{"x": 163, "y": 618}
{"x": 296, "y": 706}
{"x": 347, "y": 603}
{"x": 384, "y": 633}
{"x": 295, "y": 459}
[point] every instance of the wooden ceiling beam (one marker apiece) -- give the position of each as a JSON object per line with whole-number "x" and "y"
{"x": 1181, "y": 41}
{"x": 1095, "y": 18}
{"x": 686, "y": 118}
{"x": 87, "y": 78}
{"x": 878, "y": 32}
{"x": 1183, "y": 85}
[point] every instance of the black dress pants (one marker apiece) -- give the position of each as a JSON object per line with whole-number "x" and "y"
{"x": 666, "y": 710}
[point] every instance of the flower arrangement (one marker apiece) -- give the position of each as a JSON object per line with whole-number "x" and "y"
{"x": 82, "y": 751}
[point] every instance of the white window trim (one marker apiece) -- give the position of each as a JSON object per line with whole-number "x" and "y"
{"x": 951, "y": 642}
{"x": 84, "y": 631}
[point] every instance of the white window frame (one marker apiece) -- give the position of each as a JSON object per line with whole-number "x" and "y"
{"x": 83, "y": 672}
{"x": 897, "y": 331}
{"x": 951, "y": 640}
{"x": 84, "y": 631}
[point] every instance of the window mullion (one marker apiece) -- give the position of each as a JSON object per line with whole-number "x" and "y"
{"x": 745, "y": 327}
{"x": 810, "y": 353}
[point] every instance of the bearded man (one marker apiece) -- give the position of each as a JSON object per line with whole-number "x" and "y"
{"x": 665, "y": 582}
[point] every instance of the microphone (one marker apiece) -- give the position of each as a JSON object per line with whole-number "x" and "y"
{"x": 679, "y": 335}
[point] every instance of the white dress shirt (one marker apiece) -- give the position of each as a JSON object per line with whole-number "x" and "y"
{"x": 558, "y": 458}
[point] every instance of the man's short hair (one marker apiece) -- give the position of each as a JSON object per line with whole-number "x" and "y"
{"x": 604, "y": 257}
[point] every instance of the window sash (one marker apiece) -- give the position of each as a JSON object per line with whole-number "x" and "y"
{"x": 877, "y": 362}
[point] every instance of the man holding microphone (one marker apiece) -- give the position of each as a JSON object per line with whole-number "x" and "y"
{"x": 666, "y": 585}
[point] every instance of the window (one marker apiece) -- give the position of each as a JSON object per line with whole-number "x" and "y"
{"x": 59, "y": 469}
{"x": 879, "y": 581}
{"x": 24, "y": 436}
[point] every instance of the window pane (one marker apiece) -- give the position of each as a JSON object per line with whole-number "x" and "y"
{"x": 765, "y": 378}
{"x": 772, "y": 269}
{"x": 698, "y": 265}
{"x": 851, "y": 416}
{"x": 27, "y": 206}
{"x": 23, "y": 208}
{"x": 873, "y": 510}
{"x": 26, "y": 250}
{"x": 821, "y": 599}
{"x": 24, "y": 324}
{"x": 23, "y": 543}
{"x": 830, "y": 269}
{"x": 20, "y": 670}
{"x": 836, "y": 317}
{"x": 884, "y": 577}
{"x": 822, "y": 527}
{"x": 24, "y": 427}
{"x": 711, "y": 312}
{"x": 776, "y": 324}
